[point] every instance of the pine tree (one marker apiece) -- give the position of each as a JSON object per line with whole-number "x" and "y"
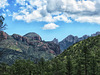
{"x": 69, "y": 66}
{"x": 86, "y": 59}
{"x": 78, "y": 66}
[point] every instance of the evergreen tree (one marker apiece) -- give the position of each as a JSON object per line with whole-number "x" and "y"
{"x": 78, "y": 67}
{"x": 69, "y": 66}
{"x": 86, "y": 58}
{"x": 41, "y": 66}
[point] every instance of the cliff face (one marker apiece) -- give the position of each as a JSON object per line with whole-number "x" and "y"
{"x": 29, "y": 46}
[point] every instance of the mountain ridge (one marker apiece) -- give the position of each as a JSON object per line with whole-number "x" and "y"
{"x": 29, "y": 46}
{"x": 70, "y": 40}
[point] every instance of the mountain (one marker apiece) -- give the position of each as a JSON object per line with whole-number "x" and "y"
{"x": 82, "y": 58}
{"x": 70, "y": 40}
{"x": 91, "y": 44}
{"x": 29, "y": 46}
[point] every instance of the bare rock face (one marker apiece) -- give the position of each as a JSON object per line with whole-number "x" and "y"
{"x": 17, "y": 37}
{"x": 33, "y": 36}
{"x": 20, "y": 38}
{"x": 3, "y": 35}
{"x": 29, "y": 38}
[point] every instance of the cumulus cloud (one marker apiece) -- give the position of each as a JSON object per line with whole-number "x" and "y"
{"x": 89, "y": 19}
{"x": 3, "y": 3}
{"x": 52, "y": 11}
{"x": 56, "y": 10}
{"x": 50, "y": 26}
{"x": 28, "y": 17}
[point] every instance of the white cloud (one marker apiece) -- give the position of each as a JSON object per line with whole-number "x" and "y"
{"x": 78, "y": 6}
{"x": 47, "y": 8}
{"x": 3, "y": 3}
{"x": 50, "y": 26}
{"x": 18, "y": 17}
{"x": 89, "y": 19}
{"x": 28, "y": 17}
{"x": 56, "y": 10}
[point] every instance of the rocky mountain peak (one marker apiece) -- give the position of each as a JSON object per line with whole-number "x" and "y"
{"x": 71, "y": 38}
{"x": 55, "y": 41}
{"x": 33, "y": 36}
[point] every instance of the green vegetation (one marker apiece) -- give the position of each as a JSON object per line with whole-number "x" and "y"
{"x": 83, "y": 58}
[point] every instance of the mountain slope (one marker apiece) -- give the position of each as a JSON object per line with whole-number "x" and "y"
{"x": 70, "y": 40}
{"x": 92, "y": 44}
{"x": 29, "y": 46}
{"x": 83, "y": 57}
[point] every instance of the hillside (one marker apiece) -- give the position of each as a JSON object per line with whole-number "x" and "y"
{"x": 29, "y": 46}
{"x": 82, "y": 58}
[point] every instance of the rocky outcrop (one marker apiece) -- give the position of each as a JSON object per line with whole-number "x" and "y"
{"x": 3, "y": 35}
{"x": 35, "y": 41}
{"x": 55, "y": 41}
{"x": 33, "y": 36}
{"x": 20, "y": 38}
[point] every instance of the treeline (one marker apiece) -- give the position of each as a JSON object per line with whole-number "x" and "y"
{"x": 84, "y": 65}
{"x": 27, "y": 67}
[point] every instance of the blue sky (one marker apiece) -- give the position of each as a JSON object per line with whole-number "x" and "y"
{"x": 51, "y": 18}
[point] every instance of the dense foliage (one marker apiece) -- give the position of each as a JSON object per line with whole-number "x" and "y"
{"x": 82, "y": 58}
